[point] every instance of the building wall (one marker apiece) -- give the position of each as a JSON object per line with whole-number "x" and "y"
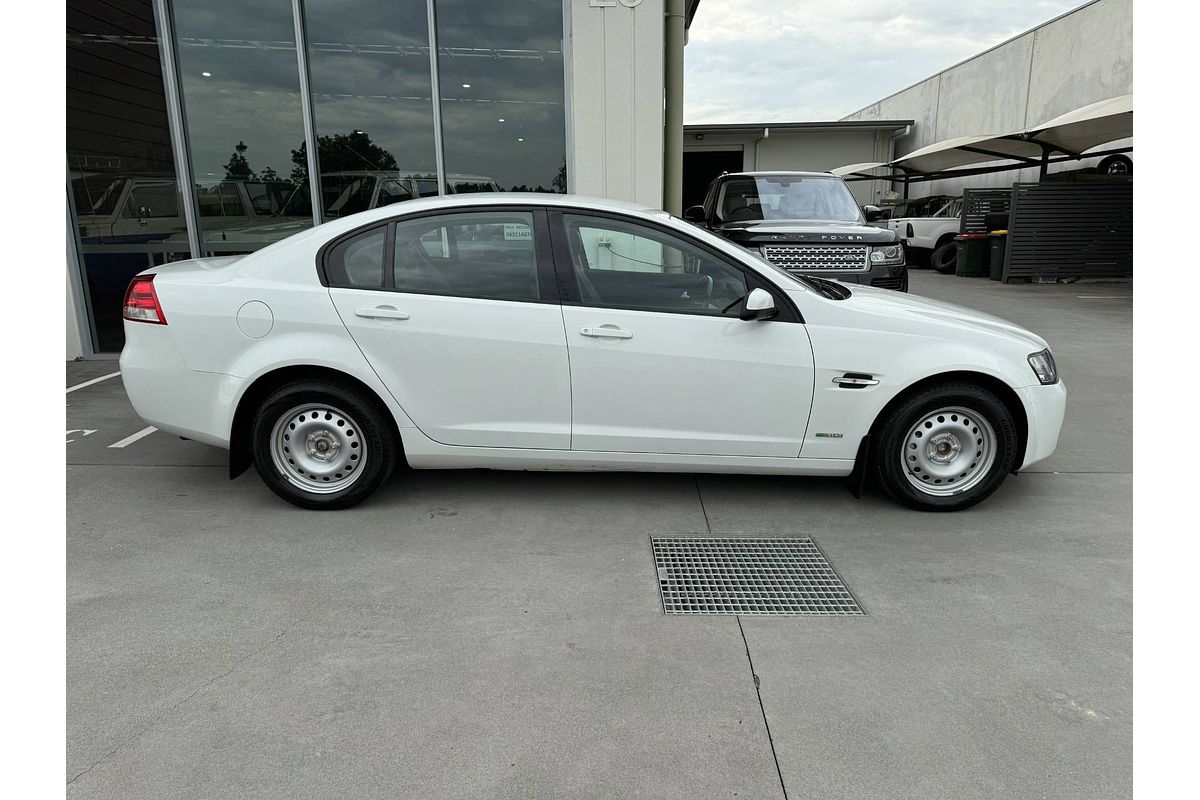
{"x": 613, "y": 68}
{"x": 74, "y": 341}
{"x": 814, "y": 150}
{"x": 1079, "y": 58}
{"x": 615, "y": 130}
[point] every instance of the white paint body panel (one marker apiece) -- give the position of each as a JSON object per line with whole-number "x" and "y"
{"x": 927, "y": 231}
{"x": 688, "y": 384}
{"x": 481, "y": 373}
{"x": 513, "y": 385}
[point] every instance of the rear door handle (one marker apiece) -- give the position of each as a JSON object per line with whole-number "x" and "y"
{"x": 606, "y": 332}
{"x": 380, "y": 312}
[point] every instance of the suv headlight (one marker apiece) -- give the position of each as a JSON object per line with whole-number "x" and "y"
{"x": 887, "y": 254}
{"x": 1044, "y": 367}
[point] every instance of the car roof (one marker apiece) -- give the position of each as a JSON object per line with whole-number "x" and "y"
{"x": 780, "y": 172}
{"x": 453, "y": 201}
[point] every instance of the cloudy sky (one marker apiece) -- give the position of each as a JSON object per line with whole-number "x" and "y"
{"x": 805, "y": 60}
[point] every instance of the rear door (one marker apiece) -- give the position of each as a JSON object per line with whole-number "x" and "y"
{"x": 660, "y": 360}
{"x": 458, "y": 314}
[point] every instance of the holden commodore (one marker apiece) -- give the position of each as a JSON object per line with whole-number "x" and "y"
{"x": 553, "y": 332}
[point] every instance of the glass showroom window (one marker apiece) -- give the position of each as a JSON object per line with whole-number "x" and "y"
{"x": 241, "y": 97}
{"x": 369, "y": 72}
{"x": 500, "y": 71}
{"x": 119, "y": 158}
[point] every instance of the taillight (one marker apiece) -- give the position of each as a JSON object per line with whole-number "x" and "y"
{"x": 141, "y": 302}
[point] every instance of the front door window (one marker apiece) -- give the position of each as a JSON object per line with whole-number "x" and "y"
{"x": 624, "y": 265}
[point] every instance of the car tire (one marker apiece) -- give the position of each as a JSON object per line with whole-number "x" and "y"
{"x": 920, "y": 454}
{"x": 321, "y": 445}
{"x": 945, "y": 258}
{"x": 904, "y": 281}
{"x": 1115, "y": 165}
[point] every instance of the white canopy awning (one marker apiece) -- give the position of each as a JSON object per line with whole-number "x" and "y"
{"x": 1073, "y": 133}
{"x": 851, "y": 169}
{"x": 1087, "y": 127}
{"x": 963, "y": 150}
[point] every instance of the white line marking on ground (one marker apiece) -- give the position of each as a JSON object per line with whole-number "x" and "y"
{"x": 1102, "y": 297}
{"x": 85, "y": 431}
{"x": 128, "y": 440}
{"x": 86, "y": 384}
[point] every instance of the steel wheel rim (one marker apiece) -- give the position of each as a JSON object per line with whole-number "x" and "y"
{"x": 318, "y": 448}
{"x": 948, "y": 451}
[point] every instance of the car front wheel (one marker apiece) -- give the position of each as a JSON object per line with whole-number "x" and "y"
{"x": 945, "y": 448}
{"x": 322, "y": 446}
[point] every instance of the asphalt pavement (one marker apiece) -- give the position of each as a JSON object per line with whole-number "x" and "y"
{"x": 470, "y": 634}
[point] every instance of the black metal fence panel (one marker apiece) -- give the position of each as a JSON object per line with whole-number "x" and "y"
{"x": 1070, "y": 230}
{"x": 978, "y": 203}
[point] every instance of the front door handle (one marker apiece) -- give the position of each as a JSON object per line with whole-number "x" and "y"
{"x": 380, "y": 312}
{"x": 606, "y": 332}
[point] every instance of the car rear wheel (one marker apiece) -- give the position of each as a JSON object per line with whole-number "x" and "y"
{"x": 322, "y": 446}
{"x": 945, "y": 448}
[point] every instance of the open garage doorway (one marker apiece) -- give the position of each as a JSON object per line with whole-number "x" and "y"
{"x": 701, "y": 166}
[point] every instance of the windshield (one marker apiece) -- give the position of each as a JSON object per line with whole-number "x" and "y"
{"x": 786, "y": 197}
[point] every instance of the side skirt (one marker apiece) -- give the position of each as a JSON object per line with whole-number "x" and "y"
{"x": 423, "y": 453}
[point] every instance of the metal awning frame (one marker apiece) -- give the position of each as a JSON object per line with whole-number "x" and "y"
{"x": 908, "y": 175}
{"x": 1046, "y": 137}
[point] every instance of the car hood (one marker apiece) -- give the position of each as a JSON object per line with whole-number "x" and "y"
{"x": 912, "y": 313}
{"x": 759, "y": 232}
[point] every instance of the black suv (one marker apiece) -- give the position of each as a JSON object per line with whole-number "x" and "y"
{"x": 804, "y": 222}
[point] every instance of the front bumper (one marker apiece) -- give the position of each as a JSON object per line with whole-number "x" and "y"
{"x": 1045, "y": 409}
{"x": 884, "y": 277}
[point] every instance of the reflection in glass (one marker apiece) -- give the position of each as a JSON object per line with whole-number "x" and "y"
{"x": 119, "y": 158}
{"x": 241, "y": 95}
{"x": 368, "y": 63}
{"x": 500, "y": 67}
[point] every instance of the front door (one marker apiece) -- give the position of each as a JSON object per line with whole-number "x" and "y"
{"x": 458, "y": 314}
{"x": 660, "y": 361}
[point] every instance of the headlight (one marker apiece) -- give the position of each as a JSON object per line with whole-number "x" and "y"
{"x": 887, "y": 254}
{"x": 1044, "y": 367}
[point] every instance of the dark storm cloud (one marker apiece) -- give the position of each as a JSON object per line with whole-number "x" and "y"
{"x": 791, "y": 60}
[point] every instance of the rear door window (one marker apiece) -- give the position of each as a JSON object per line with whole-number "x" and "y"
{"x": 486, "y": 254}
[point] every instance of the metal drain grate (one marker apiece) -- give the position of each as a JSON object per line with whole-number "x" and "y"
{"x": 761, "y": 576}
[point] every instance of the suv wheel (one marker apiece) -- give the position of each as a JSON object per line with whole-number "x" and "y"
{"x": 945, "y": 448}
{"x": 323, "y": 446}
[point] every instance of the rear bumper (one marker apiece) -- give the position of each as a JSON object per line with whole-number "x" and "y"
{"x": 1045, "y": 409}
{"x": 171, "y": 397}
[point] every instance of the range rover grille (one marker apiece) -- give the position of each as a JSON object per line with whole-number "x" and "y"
{"x": 818, "y": 257}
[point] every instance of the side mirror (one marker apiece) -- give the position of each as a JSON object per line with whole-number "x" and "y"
{"x": 143, "y": 214}
{"x": 872, "y": 213}
{"x": 694, "y": 214}
{"x": 759, "y": 305}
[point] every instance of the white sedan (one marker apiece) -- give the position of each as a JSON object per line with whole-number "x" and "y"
{"x": 549, "y": 332}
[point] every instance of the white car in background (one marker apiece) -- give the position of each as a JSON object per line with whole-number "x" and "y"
{"x": 553, "y": 332}
{"x": 932, "y": 237}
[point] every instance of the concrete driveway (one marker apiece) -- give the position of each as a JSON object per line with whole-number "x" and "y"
{"x": 486, "y": 634}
